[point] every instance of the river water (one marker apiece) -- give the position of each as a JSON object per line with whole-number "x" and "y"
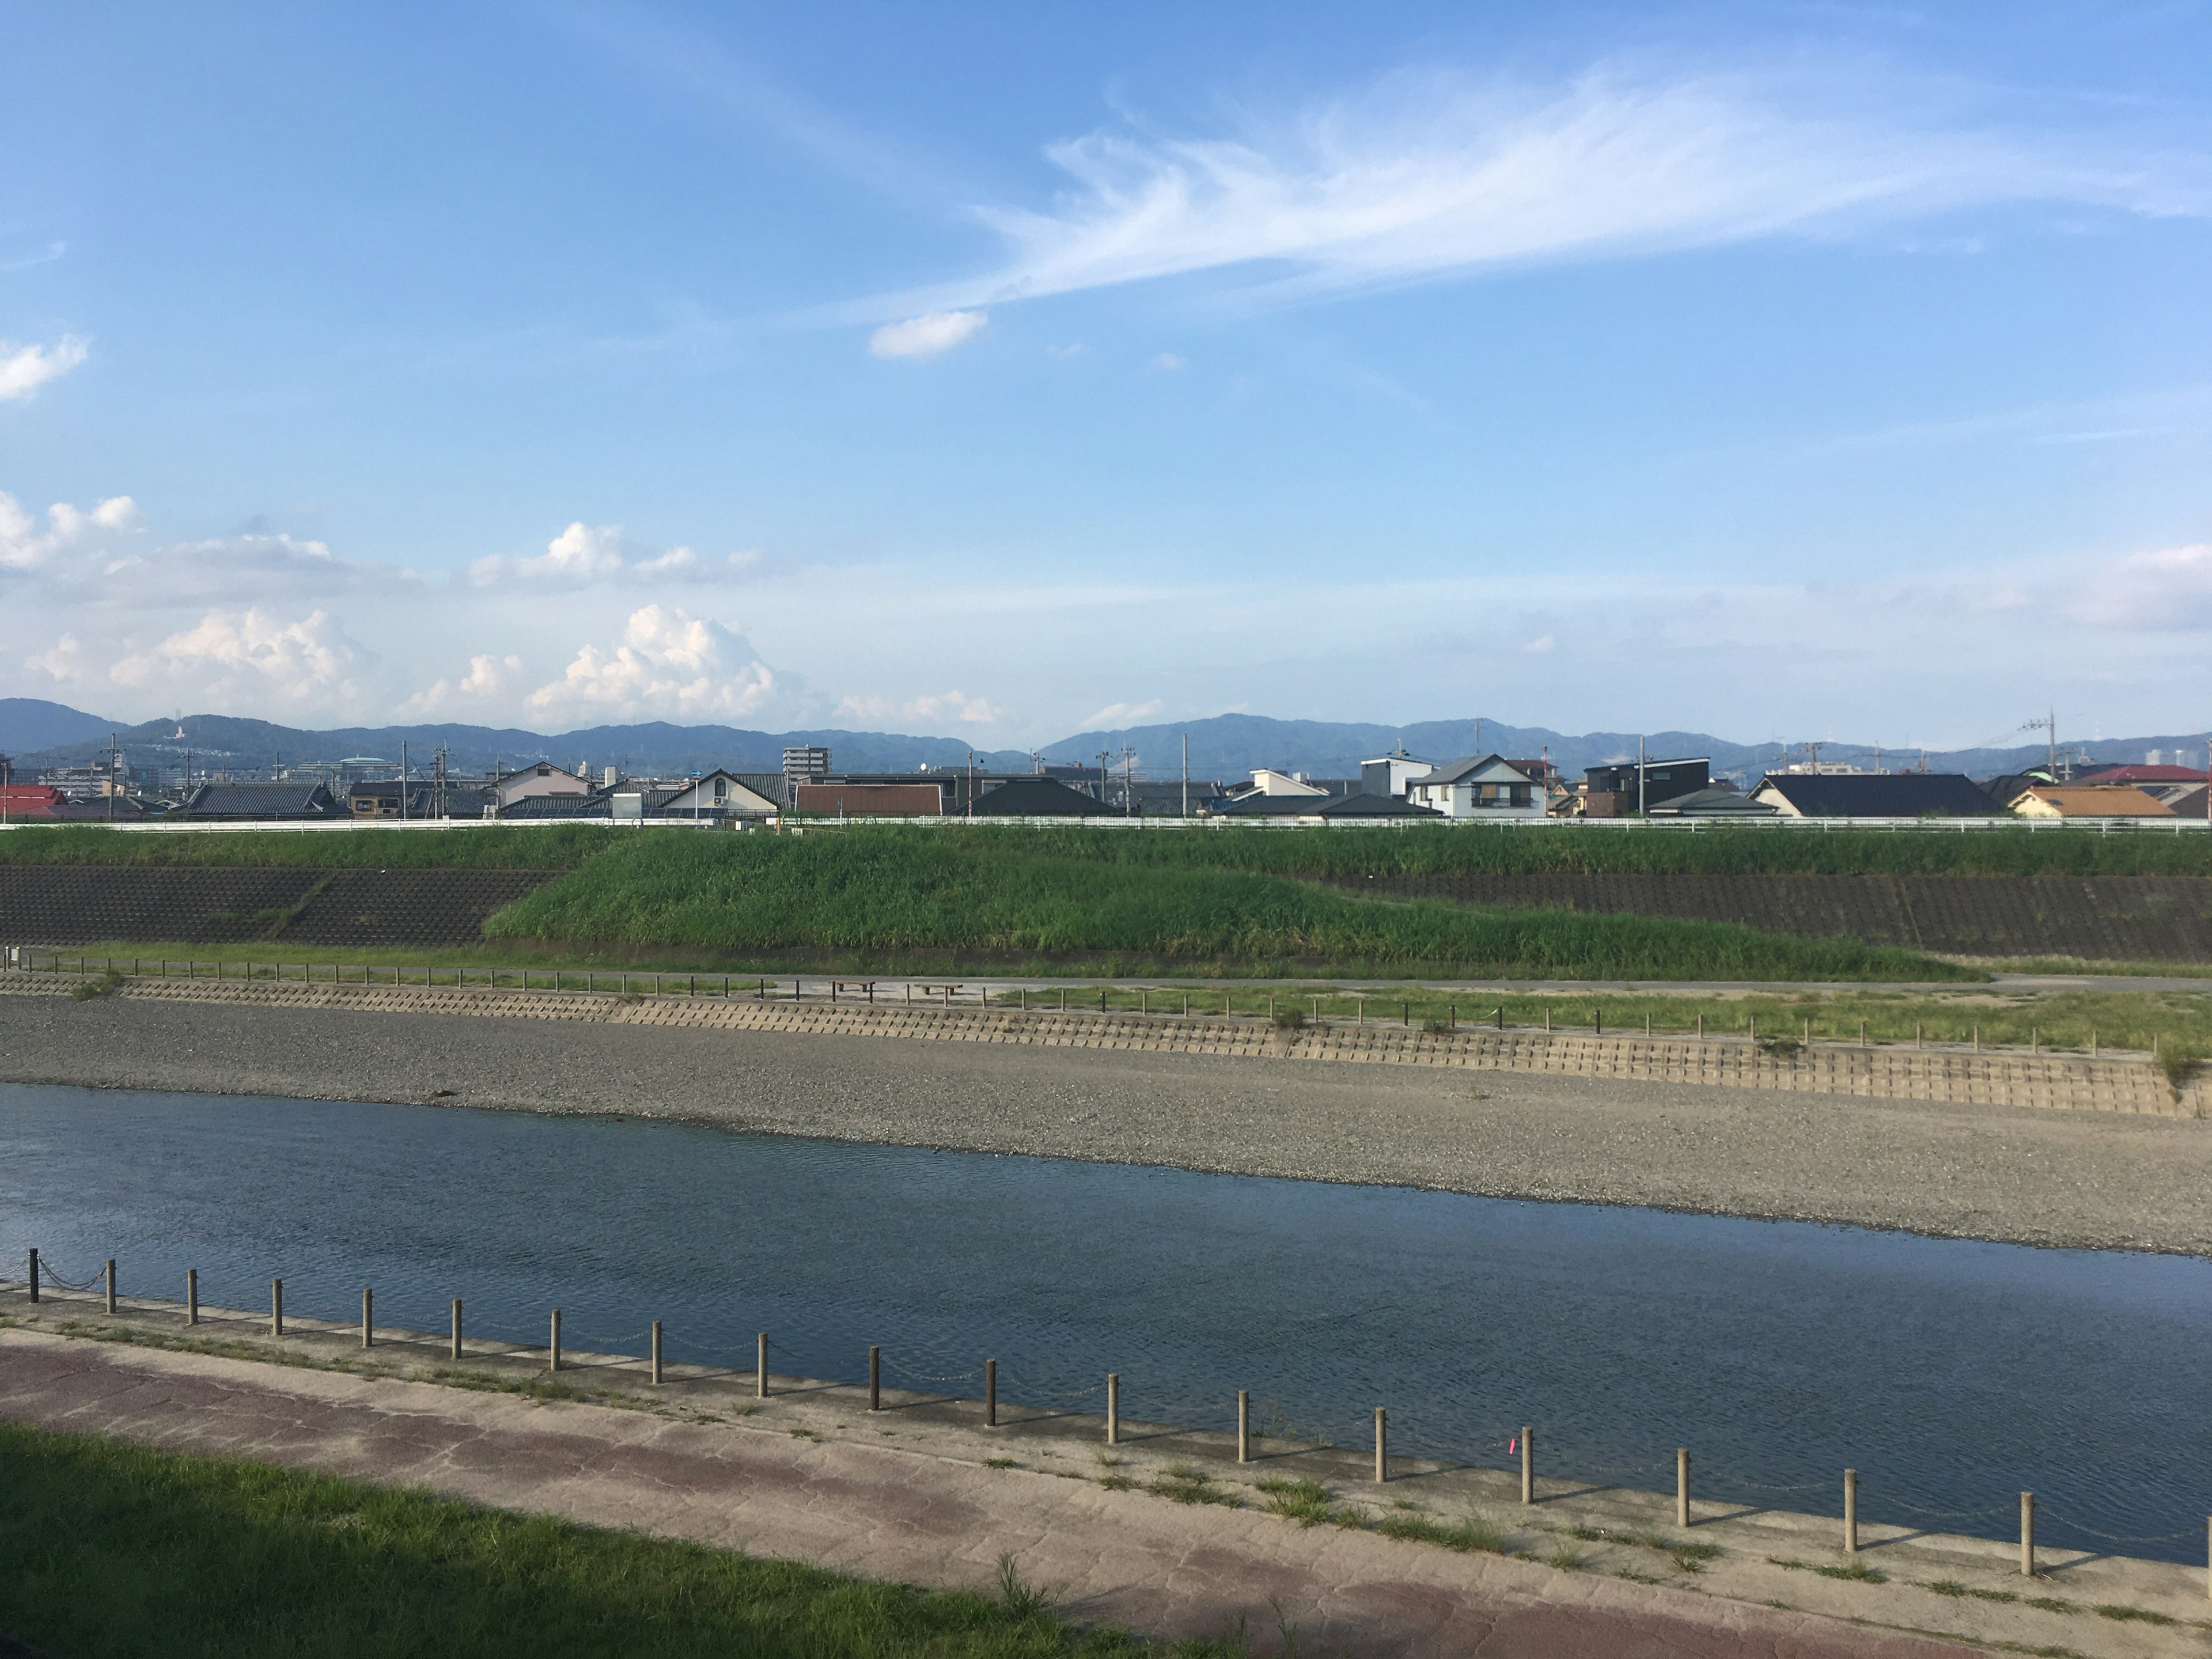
{"x": 1951, "y": 1375}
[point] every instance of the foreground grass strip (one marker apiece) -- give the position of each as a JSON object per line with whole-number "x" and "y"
{"x": 115, "y": 1549}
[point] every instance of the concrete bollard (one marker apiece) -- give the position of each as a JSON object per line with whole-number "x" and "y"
{"x": 2027, "y": 1534}
{"x": 191, "y": 1295}
{"x": 1598, "y": 1022}
{"x": 656, "y": 1354}
{"x": 1244, "y": 1425}
{"x": 34, "y": 1276}
{"x": 1851, "y": 1511}
{"x": 1382, "y": 1445}
{"x": 1701, "y": 1028}
{"x": 367, "y": 1317}
{"x": 1113, "y": 1408}
{"x": 1682, "y": 1487}
{"x": 1527, "y": 1464}
{"x": 553, "y": 1343}
{"x": 1864, "y": 1043}
{"x": 760, "y": 1366}
{"x": 275, "y": 1307}
{"x": 1547, "y": 1022}
{"x": 990, "y": 1394}
{"x": 111, "y": 1284}
{"x": 456, "y": 1349}
{"x": 875, "y": 1378}
{"x": 1647, "y": 1026}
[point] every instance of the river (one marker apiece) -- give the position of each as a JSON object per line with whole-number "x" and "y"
{"x": 1952, "y": 1375}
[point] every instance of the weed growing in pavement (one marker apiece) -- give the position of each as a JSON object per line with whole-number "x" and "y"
{"x": 1305, "y": 1502}
{"x": 1565, "y": 1555}
{"x": 1290, "y": 1019}
{"x": 1020, "y": 1599}
{"x": 1117, "y": 1483}
{"x": 102, "y": 985}
{"x": 1186, "y": 1485}
{"x": 2053, "y": 1604}
{"x": 1953, "y": 1587}
{"x": 2142, "y": 1615}
{"x": 1857, "y": 1572}
{"x": 1000, "y": 1463}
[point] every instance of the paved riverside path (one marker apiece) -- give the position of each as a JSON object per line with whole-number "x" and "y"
{"x": 1111, "y": 1558}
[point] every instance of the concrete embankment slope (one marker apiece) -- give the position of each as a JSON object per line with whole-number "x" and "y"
{"x": 2110, "y": 1084}
{"x": 1125, "y": 1090}
{"x": 920, "y": 1493}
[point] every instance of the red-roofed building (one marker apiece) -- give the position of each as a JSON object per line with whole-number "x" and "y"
{"x": 30, "y": 800}
{"x": 2141, "y": 774}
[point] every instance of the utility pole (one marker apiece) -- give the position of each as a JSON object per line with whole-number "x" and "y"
{"x": 2050, "y": 731}
{"x": 112, "y": 757}
{"x": 1639, "y": 776}
{"x": 1129, "y": 781}
{"x": 6, "y": 763}
{"x": 1105, "y": 787}
{"x": 402, "y": 779}
{"x": 1186, "y": 770}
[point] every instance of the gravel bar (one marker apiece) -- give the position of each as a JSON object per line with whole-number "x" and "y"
{"x": 2012, "y": 1174}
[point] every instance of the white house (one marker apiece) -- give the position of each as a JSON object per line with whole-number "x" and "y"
{"x": 540, "y": 778}
{"x": 717, "y": 794}
{"x": 1266, "y": 780}
{"x": 1389, "y": 774}
{"x": 1489, "y": 789}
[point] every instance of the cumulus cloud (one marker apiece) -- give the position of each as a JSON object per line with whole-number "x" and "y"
{"x": 669, "y": 664}
{"x": 489, "y": 679}
{"x": 24, "y": 368}
{"x": 584, "y": 555}
{"x": 927, "y": 335}
{"x": 24, "y": 546}
{"x": 1540, "y": 645}
{"x": 251, "y": 658}
{"x": 1423, "y": 174}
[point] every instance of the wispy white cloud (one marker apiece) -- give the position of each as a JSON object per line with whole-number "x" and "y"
{"x": 954, "y": 706}
{"x": 927, "y": 335}
{"x": 584, "y": 555}
{"x": 24, "y": 368}
{"x": 1426, "y": 174}
{"x": 45, "y": 256}
{"x": 1121, "y": 713}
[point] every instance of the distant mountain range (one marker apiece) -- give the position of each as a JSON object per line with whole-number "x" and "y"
{"x": 38, "y": 733}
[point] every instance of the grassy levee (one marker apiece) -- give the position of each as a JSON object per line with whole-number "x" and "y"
{"x": 1422, "y": 849}
{"x": 519, "y": 846}
{"x": 115, "y": 1549}
{"x": 883, "y": 896}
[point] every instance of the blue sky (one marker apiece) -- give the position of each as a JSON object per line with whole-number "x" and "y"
{"x": 1784, "y": 372}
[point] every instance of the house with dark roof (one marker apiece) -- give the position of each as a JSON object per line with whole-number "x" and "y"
{"x": 1039, "y": 797}
{"x": 718, "y": 795}
{"x": 1356, "y": 807}
{"x": 299, "y": 799}
{"x": 1712, "y": 803}
{"x": 1488, "y": 787}
{"x": 1875, "y": 795}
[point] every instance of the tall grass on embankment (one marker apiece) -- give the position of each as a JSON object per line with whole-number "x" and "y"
{"x": 1419, "y": 849}
{"x": 1000, "y": 898}
{"x": 497, "y": 846}
{"x": 114, "y": 1549}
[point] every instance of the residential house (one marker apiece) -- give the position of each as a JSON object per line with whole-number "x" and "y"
{"x": 1488, "y": 787}
{"x": 300, "y": 799}
{"x": 1039, "y": 797}
{"x": 1389, "y": 774}
{"x": 538, "y": 778}
{"x": 847, "y": 800}
{"x": 1713, "y": 803}
{"x": 1618, "y": 790}
{"x": 2088, "y": 800}
{"x": 31, "y": 800}
{"x": 717, "y": 794}
{"x": 1874, "y": 795}
{"x": 1355, "y": 807}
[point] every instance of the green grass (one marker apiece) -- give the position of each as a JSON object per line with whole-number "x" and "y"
{"x": 888, "y": 895}
{"x": 546, "y": 847}
{"x": 1316, "y": 855}
{"x": 115, "y": 1549}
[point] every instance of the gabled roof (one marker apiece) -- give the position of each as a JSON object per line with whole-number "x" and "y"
{"x": 2142, "y": 774}
{"x": 1469, "y": 769}
{"x": 1310, "y": 807}
{"x": 2115, "y": 800}
{"x": 1880, "y": 794}
{"x": 1712, "y": 803}
{"x": 260, "y": 800}
{"x": 556, "y": 807}
{"x": 1040, "y": 798}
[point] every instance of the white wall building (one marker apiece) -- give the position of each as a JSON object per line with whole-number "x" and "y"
{"x": 1487, "y": 788}
{"x": 541, "y": 778}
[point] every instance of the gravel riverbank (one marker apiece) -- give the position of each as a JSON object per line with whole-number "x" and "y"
{"x": 2005, "y": 1173}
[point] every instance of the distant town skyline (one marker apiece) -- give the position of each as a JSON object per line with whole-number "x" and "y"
{"x": 1002, "y": 374}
